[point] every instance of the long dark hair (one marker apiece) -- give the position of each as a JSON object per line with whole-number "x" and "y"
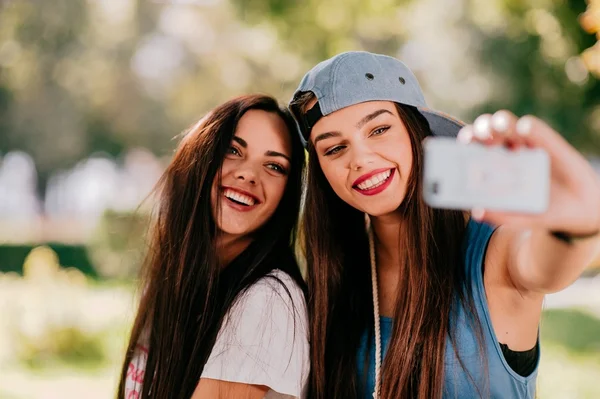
{"x": 432, "y": 283}
{"x": 186, "y": 293}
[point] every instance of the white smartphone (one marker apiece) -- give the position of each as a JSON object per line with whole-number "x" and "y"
{"x": 467, "y": 176}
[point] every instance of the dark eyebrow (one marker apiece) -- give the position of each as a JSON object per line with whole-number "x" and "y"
{"x": 244, "y": 144}
{"x": 277, "y": 154}
{"x": 371, "y": 116}
{"x": 324, "y": 136}
{"x": 359, "y": 125}
{"x": 240, "y": 141}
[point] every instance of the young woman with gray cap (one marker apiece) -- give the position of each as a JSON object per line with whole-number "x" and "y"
{"x": 451, "y": 302}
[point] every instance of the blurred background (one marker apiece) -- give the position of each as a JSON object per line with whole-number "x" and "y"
{"x": 93, "y": 92}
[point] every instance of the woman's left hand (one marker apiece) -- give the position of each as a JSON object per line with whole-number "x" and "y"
{"x": 574, "y": 205}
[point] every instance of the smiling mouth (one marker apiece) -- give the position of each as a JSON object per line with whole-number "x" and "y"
{"x": 239, "y": 198}
{"x": 374, "y": 181}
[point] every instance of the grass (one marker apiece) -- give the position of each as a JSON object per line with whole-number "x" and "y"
{"x": 576, "y": 330}
{"x": 75, "y": 372}
{"x": 60, "y": 337}
{"x": 90, "y": 365}
{"x": 570, "y": 363}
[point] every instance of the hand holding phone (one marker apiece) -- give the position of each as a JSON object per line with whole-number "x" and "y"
{"x": 468, "y": 176}
{"x": 514, "y": 171}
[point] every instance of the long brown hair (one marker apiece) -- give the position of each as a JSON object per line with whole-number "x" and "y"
{"x": 186, "y": 293}
{"x": 432, "y": 284}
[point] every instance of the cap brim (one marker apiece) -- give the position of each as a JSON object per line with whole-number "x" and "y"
{"x": 441, "y": 124}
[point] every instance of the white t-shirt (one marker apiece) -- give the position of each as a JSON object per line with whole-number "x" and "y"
{"x": 263, "y": 341}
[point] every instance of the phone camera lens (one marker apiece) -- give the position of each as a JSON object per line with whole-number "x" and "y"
{"x": 435, "y": 187}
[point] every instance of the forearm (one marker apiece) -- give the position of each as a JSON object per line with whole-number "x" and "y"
{"x": 547, "y": 264}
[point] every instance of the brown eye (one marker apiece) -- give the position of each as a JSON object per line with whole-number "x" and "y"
{"x": 233, "y": 151}
{"x": 277, "y": 168}
{"x": 379, "y": 131}
{"x": 334, "y": 150}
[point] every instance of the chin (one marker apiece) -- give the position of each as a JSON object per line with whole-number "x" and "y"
{"x": 382, "y": 210}
{"x": 237, "y": 231}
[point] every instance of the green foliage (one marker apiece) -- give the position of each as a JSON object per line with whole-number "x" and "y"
{"x": 76, "y": 256}
{"x": 118, "y": 245}
{"x": 532, "y": 75}
{"x": 116, "y": 249}
{"x": 62, "y": 346}
{"x": 70, "y": 80}
{"x": 575, "y": 330}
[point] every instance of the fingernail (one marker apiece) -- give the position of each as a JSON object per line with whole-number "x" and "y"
{"x": 481, "y": 127}
{"x": 524, "y": 126}
{"x": 465, "y": 135}
{"x": 477, "y": 213}
{"x": 500, "y": 122}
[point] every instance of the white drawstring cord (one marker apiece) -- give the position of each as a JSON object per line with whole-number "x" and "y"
{"x": 377, "y": 390}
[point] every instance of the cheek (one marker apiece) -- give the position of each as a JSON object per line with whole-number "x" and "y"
{"x": 226, "y": 168}
{"x": 274, "y": 187}
{"x": 400, "y": 153}
{"x": 336, "y": 177}
{"x": 213, "y": 193}
{"x": 406, "y": 162}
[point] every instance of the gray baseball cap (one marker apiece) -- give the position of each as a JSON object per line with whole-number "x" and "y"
{"x": 358, "y": 76}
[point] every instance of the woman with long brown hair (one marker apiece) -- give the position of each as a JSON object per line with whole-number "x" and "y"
{"x": 421, "y": 302}
{"x": 222, "y": 314}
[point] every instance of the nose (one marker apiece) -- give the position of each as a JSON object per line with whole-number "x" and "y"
{"x": 361, "y": 156}
{"x": 246, "y": 173}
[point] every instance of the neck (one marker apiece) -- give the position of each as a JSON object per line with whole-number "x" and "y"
{"x": 231, "y": 246}
{"x": 387, "y": 230}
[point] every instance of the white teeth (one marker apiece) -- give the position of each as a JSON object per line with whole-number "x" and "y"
{"x": 244, "y": 199}
{"x": 375, "y": 181}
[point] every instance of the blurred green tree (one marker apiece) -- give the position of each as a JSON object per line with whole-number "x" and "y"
{"x": 66, "y": 86}
{"x": 535, "y": 59}
{"x": 590, "y": 22}
{"x": 529, "y": 49}
{"x": 78, "y": 77}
